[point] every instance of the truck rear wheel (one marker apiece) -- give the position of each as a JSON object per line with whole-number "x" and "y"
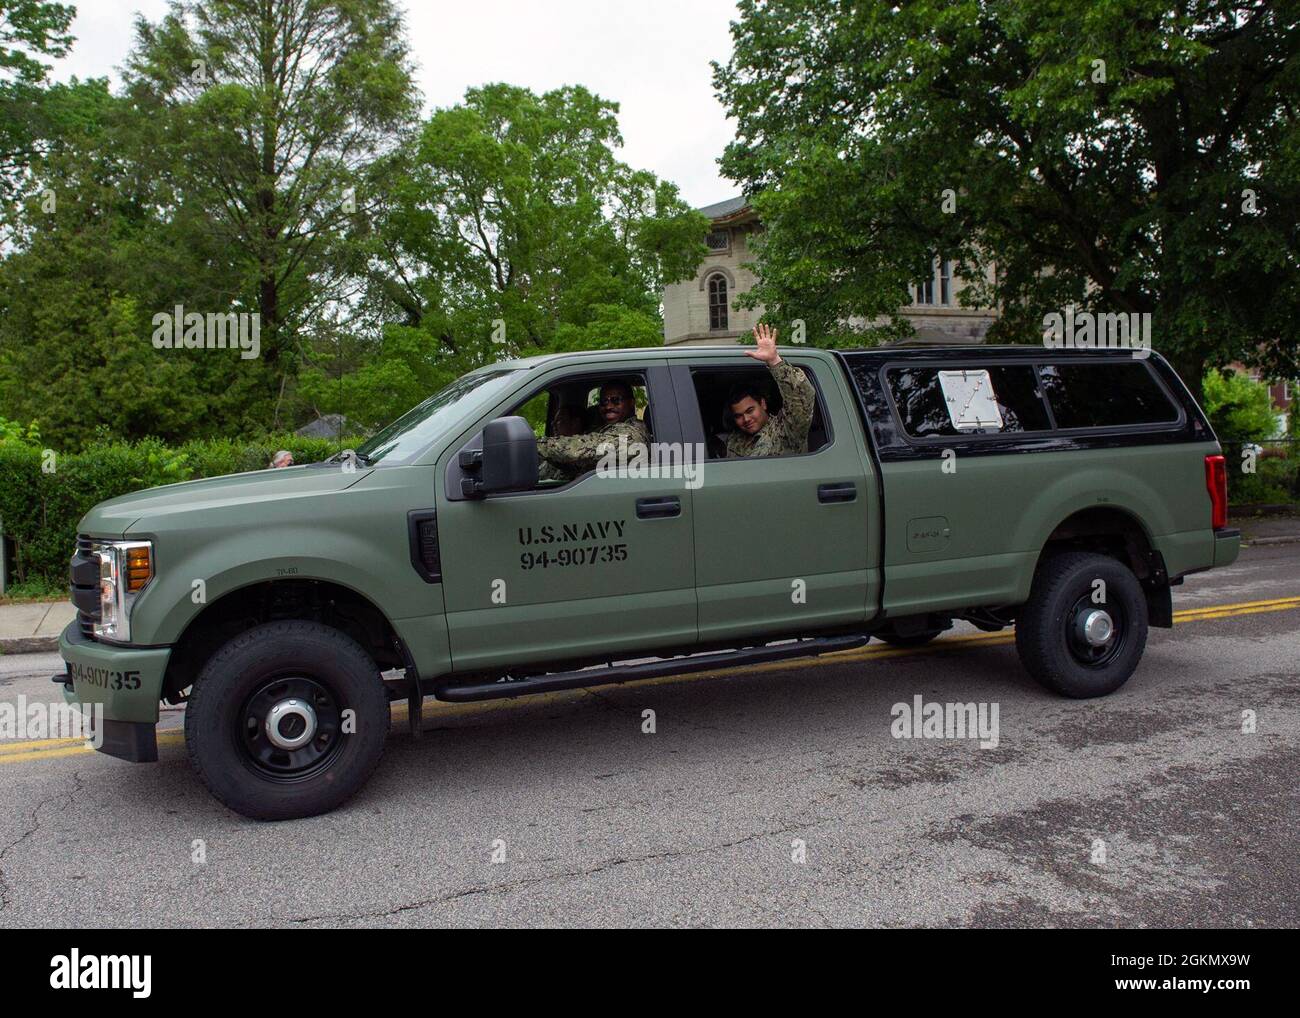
{"x": 287, "y": 720}
{"x": 1078, "y": 637}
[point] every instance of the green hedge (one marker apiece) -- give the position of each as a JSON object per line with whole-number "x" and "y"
{"x": 1274, "y": 482}
{"x": 39, "y": 510}
{"x": 1276, "y": 478}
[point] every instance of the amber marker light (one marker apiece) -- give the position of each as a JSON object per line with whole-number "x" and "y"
{"x": 139, "y": 567}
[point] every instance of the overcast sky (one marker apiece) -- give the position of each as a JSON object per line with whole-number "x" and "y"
{"x": 651, "y": 58}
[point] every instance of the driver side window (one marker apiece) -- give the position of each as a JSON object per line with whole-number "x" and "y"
{"x": 536, "y": 412}
{"x": 570, "y": 415}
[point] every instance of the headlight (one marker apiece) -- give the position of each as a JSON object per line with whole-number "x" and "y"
{"x": 125, "y": 567}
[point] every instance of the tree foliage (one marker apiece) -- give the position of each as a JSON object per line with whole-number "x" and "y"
{"x": 1134, "y": 156}
{"x": 512, "y": 229}
{"x": 97, "y": 257}
{"x": 265, "y": 119}
{"x": 30, "y": 31}
{"x": 264, "y": 156}
{"x": 1240, "y": 409}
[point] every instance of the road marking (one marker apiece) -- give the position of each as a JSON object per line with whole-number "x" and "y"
{"x": 8, "y": 748}
{"x": 49, "y": 749}
{"x": 1276, "y": 603}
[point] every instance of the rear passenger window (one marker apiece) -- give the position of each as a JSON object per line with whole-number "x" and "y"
{"x": 938, "y": 402}
{"x": 718, "y": 390}
{"x": 1105, "y": 395}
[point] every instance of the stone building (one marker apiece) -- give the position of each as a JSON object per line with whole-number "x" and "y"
{"x": 702, "y": 310}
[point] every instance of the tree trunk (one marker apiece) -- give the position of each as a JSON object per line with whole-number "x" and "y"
{"x": 1190, "y": 366}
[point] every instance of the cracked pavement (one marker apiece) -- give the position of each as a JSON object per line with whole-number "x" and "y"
{"x": 1150, "y": 807}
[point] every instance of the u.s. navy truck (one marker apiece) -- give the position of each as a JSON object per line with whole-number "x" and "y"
{"x": 1061, "y": 492}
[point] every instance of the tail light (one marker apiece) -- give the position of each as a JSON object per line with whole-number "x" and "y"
{"x": 1216, "y": 483}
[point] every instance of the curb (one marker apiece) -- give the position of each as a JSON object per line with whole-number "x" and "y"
{"x": 28, "y": 644}
{"x": 1287, "y": 539}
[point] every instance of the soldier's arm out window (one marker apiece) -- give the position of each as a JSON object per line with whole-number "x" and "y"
{"x": 798, "y": 397}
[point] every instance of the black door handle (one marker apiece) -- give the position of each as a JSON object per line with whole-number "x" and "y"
{"x": 844, "y": 492}
{"x": 658, "y": 508}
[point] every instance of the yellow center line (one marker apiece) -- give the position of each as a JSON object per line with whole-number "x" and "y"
{"x": 10, "y": 748}
{"x": 1276, "y": 603}
{"x": 49, "y": 749}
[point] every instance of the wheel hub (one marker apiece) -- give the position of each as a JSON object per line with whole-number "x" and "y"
{"x": 1097, "y": 628}
{"x": 1095, "y": 635}
{"x": 290, "y": 727}
{"x": 291, "y": 724}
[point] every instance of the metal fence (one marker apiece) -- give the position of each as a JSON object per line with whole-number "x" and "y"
{"x": 1263, "y": 473}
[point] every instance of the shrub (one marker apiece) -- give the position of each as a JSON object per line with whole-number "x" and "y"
{"x": 22, "y": 510}
{"x": 1276, "y": 478}
{"x": 40, "y": 508}
{"x": 1239, "y": 408}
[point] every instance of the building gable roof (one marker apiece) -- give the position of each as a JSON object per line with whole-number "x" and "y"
{"x": 726, "y": 209}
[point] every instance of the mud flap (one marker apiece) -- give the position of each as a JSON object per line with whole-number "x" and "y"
{"x": 1160, "y": 606}
{"x": 415, "y": 704}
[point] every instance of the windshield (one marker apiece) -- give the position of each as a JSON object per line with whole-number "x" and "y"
{"x": 413, "y": 431}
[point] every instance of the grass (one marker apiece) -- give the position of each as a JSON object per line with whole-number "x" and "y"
{"x": 36, "y": 589}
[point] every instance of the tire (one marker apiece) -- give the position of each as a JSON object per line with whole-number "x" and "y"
{"x": 911, "y": 640}
{"x": 307, "y": 675}
{"x": 1052, "y": 636}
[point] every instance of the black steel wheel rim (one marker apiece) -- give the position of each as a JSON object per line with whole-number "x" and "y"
{"x": 1084, "y": 652}
{"x": 272, "y": 752}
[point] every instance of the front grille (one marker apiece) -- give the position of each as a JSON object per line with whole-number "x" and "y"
{"x": 83, "y": 584}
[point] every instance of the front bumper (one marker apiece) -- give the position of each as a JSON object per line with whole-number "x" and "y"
{"x": 1227, "y": 546}
{"x": 127, "y": 681}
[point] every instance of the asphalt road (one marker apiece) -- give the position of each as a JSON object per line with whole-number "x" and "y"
{"x": 1150, "y": 807}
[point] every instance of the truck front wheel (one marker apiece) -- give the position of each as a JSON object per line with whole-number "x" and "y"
{"x": 287, "y": 720}
{"x": 1084, "y": 628}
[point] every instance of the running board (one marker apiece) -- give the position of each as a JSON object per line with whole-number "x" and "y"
{"x": 649, "y": 670}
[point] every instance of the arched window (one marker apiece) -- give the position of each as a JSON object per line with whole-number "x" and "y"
{"x": 717, "y": 301}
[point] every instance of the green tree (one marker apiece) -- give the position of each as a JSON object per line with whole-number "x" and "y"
{"x": 29, "y": 31}
{"x": 1240, "y": 409}
{"x": 1140, "y": 156}
{"x": 96, "y": 257}
{"x": 266, "y": 118}
{"x": 511, "y": 228}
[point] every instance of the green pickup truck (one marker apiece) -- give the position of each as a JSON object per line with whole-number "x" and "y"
{"x": 466, "y": 552}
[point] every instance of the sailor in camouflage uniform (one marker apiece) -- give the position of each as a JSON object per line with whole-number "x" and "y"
{"x": 759, "y": 433}
{"x": 563, "y": 459}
